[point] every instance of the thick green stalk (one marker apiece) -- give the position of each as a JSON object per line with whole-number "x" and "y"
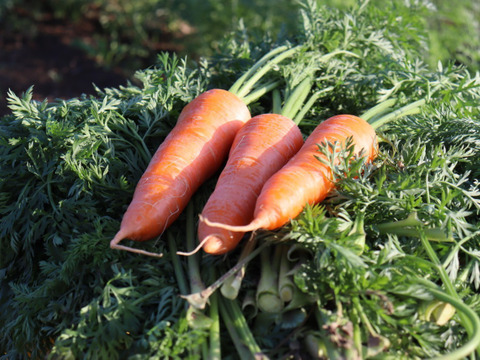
{"x": 380, "y": 108}
{"x": 412, "y": 226}
{"x": 244, "y": 85}
{"x": 231, "y": 286}
{"x": 239, "y": 330}
{"x": 260, "y": 91}
{"x": 308, "y": 105}
{"x": 268, "y": 298}
{"x": 199, "y": 299}
{"x": 413, "y": 108}
{"x": 177, "y": 266}
{"x": 286, "y": 286}
{"x": 263, "y": 60}
{"x": 276, "y": 101}
{"x": 196, "y": 283}
{"x": 296, "y": 99}
{"x": 468, "y": 316}
{"x": 449, "y": 287}
{"x": 215, "y": 352}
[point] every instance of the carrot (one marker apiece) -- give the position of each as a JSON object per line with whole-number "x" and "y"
{"x": 262, "y": 146}
{"x": 305, "y": 179}
{"x": 191, "y": 153}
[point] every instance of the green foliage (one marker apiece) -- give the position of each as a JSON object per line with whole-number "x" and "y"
{"x": 451, "y": 20}
{"x": 69, "y": 170}
{"x": 132, "y": 33}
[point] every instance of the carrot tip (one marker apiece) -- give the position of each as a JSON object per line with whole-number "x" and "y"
{"x": 215, "y": 245}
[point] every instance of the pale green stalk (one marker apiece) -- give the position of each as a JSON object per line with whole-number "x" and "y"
{"x": 410, "y": 109}
{"x": 199, "y": 299}
{"x": 177, "y": 266}
{"x": 268, "y": 298}
{"x": 235, "y": 88}
{"x": 286, "y": 286}
{"x": 296, "y": 99}
{"x": 215, "y": 352}
{"x": 449, "y": 287}
{"x": 380, "y": 108}
{"x": 308, "y": 105}
{"x": 239, "y": 330}
{"x": 276, "y": 102}
{"x": 244, "y": 85}
{"x": 196, "y": 283}
{"x": 231, "y": 286}
{"x": 468, "y": 316}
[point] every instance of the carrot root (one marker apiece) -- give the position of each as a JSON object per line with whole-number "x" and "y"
{"x": 114, "y": 244}
{"x": 254, "y": 225}
{"x": 194, "y": 251}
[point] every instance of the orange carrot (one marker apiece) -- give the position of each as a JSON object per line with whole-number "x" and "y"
{"x": 191, "y": 153}
{"x": 305, "y": 179}
{"x": 261, "y": 147}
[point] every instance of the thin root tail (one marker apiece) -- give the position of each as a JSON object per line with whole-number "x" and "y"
{"x": 235, "y": 228}
{"x": 194, "y": 251}
{"x": 114, "y": 244}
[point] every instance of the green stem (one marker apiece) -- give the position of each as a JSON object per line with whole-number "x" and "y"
{"x": 296, "y": 98}
{"x": 199, "y": 299}
{"x": 177, "y": 266}
{"x": 268, "y": 298}
{"x": 363, "y": 317}
{"x": 308, "y": 105}
{"x": 257, "y": 72}
{"x": 410, "y": 227}
{"x": 50, "y": 193}
{"x": 276, "y": 102}
{"x": 242, "y": 337}
{"x": 378, "y": 109}
{"x": 231, "y": 286}
{"x": 196, "y": 283}
{"x": 449, "y": 287}
{"x": 240, "y": 81}
{"x": 470, "y": 317}
{"x": 286, "y": 286}
{"x": 260, "y": 91}
{"x": 215, "y": 352}
{"x": 146, "y": 153}
{"x": 413, "y": 108}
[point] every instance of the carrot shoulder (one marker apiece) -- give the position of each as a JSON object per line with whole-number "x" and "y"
{"x": 190, "y": 154}
{"x": 261, "y": 147}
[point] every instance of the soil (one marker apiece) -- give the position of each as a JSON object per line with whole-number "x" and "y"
{"x": 53, "y": 63}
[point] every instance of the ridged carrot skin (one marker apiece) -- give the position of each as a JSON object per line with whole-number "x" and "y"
{"x": 261, "y": 147}
{"x": 305, "y": 179}
{"x": 195, "y": 148}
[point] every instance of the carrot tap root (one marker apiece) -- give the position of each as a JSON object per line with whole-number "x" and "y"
{"x": 254, "y": 225}
{"x": 115, "y": 244}
{"x": 194, "y": 251}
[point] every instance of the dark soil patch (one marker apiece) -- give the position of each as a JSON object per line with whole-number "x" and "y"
{"x": 52, "y": 63}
